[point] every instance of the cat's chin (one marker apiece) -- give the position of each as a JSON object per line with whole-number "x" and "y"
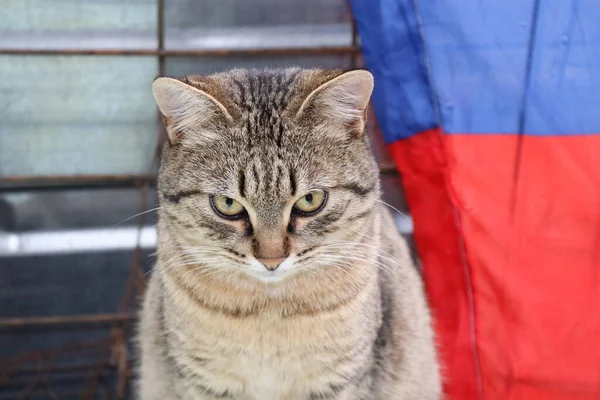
{"x": 271, "y": 277}
{"x": 257, "y": 271}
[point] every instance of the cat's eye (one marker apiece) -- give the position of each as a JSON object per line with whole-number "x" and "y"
{"x": 227, "y": 207}
{"x": 311, "y": 203}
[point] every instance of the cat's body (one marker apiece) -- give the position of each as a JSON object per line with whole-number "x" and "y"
{"x": 342, "y": 316}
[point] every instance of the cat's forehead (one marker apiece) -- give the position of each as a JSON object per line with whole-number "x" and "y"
{"x": 264, "y": 99}
{"x": 253, "y": 88}
{"x": 265, "y": 102}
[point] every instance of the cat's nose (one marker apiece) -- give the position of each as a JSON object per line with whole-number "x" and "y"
{"x": 271, "y": 263}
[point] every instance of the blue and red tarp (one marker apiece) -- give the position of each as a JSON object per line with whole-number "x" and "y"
{"x": 491, "y": 111}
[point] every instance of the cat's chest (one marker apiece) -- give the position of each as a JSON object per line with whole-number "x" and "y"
{"x": 265, "y": 359}
{"x": 271, "y": 376}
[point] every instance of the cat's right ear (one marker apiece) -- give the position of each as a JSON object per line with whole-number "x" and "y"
{"x": 187, "y": 109}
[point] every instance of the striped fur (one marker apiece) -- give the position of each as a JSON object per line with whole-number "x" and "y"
{"x": 344, "y": 316}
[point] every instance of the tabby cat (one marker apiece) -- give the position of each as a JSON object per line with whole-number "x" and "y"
{"x": 280, "y": 275}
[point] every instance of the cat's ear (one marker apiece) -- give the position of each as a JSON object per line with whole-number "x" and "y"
{"x": 343, "y": 99}
{"x": 187, "y": 109}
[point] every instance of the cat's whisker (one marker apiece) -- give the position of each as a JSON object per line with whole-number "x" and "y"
{"x": 210, "y": 249}
{"x": 392, "y": 207}
{"x": 203, "y": 253}
{"x": 362, "y": 259}
{"x": 151, "y": 269}
{"x": 364, "y": 235}
{"x": 327, "y": 260}
{"x": 215, "y": 271}
{"x": 137, "y": 215}
{"x": 184, "y": 262}
{"x": 377, "y": 248}
{"x": 352, "y": 245}
{"x": 337, "y": 265}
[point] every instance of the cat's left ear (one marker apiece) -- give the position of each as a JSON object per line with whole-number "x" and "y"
{"x": 343, "y": 100}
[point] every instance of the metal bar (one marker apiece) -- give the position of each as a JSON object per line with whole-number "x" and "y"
{"x": 57, "y": 182}
{"x": 7, "y": 365}
{"x": 354, "y": 56}
{"x": 160, "y": 35}
{"x": 300, "y": 51}
{"x": 60, "y": 395}
{"x": 63, "y": 367}
{"x": 74, "y": 375}
{"x": 64, "y": 321}
{"x": 388, "y": 169}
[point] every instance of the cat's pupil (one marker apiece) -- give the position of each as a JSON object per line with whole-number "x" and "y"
{"x": 229, "y": 202}
{"x": 309, "y": 198}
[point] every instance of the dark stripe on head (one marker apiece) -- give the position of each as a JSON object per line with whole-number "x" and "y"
{"x": 357, "y": 189}
{"x": 176, "y": 197}
{"x": 280, "y": 175}
{"x": 176, "y": 220}
{"x": 293, "y": 182}
{"x": 360, "y": 216}
{"x": 280, "y": 135}
{"x": 256, "y": 176}
{"x": 285, "y": 88}
{"x": 221, "y": 230}
{"x": 243, "y": 99}
{"x": 252, "y": 85}
{"x": 242, "y": 183}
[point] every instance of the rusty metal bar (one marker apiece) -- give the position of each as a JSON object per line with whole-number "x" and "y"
{"x": 91, "y": 319}
{"x": 63, "y": 368}
{"x": 91, "y": 388}
{"x": 291, "y": 51}
{"x": 59, "y": 395}
{"x": 66, "y": 367}
{"x": 7, "y": 364}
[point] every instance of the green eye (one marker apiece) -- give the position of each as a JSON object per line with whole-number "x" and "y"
{"x": 226, "y": 206}
{"x": 312, "y": 202}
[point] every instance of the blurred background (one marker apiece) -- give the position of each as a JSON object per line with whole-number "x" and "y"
{"x": 79, "y": 135}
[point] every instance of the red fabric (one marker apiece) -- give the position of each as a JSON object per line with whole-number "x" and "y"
{"x": 532, "y": 266}
{"x": 422, "y": 161}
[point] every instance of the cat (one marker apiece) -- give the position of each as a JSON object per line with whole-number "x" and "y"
{"x": 279, "y": 273}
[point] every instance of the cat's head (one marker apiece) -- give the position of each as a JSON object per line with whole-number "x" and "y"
{"x": 266, "y": 172}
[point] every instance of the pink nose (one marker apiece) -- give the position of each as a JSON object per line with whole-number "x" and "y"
{"x": 271, "y": 263}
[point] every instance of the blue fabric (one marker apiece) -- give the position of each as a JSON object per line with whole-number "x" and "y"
{"x": 564, "y": 95}
{"x": 393, "y": 52}
{"x": 496, "y": 67}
